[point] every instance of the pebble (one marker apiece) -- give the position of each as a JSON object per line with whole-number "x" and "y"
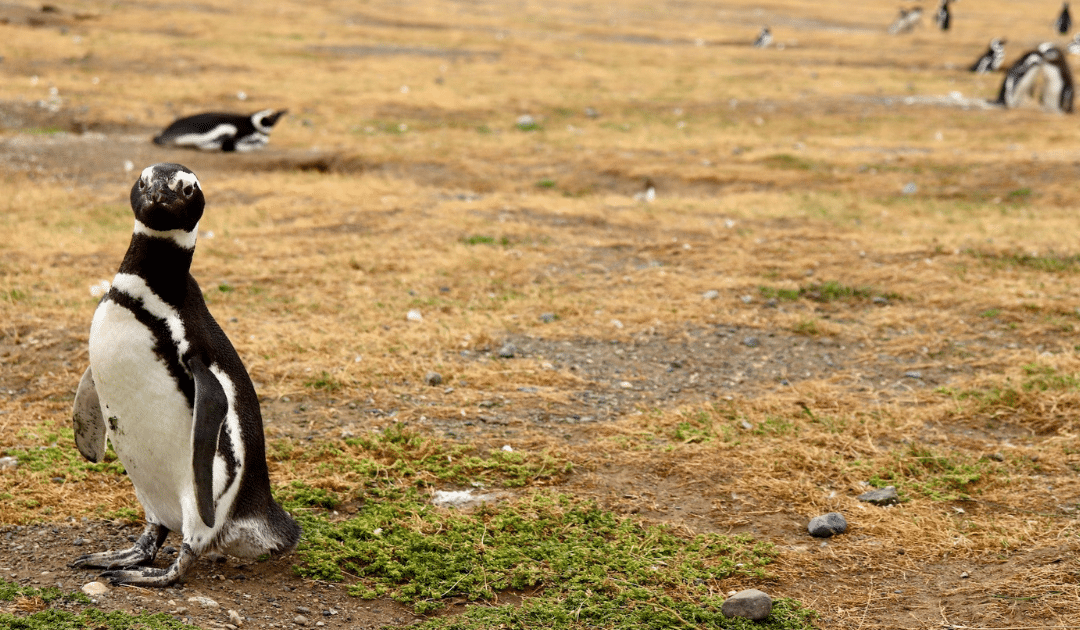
{"x": 547, "y": 318}
{"x": 235, "y": 618}
{"x": 95, "y": 588}
{"x": 303, "y": 610}
{"x": 828, "y": 525}
{"x": 909, "y": 188}
{"x": 749, "y": 604}
{"x": 8, "y": 462}
{"x": 205, "y": 602}
{"x": 507, "y": 351}
{"x": 711, "y": 295}
{"x": 751, "y": 342}
{"x": 300, "y": 620}
{"x": 913, "y": 374}
{"x": 881, "y": 496}
{"x": 414, "y": 316}
{"x": 78, "y": 542}
{"x": 433, "y": 378}
{"x": 525, "y": 121}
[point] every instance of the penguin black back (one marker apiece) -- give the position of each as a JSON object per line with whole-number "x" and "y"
{"x": 220, "y": 131}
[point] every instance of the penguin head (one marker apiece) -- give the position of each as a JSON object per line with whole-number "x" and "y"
{"x": 168, "y": 197}
{"x": 266, "y": 119}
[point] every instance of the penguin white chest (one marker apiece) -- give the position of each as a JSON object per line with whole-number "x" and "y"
{"x": 148, "y": 418}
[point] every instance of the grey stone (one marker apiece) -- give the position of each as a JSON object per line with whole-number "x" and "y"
{"x": 881, "y": 496}
{"x": 507, "y": 351}
{"x": 751, "y": 342}
{"x": 910, "y": 188}
{"x": 547, "y": 318}
{"x": 749, "y": 604}
{"x": 828, "y": 525}
{"x": 300, "y": 620}
{"x": 433, "y": 378}
{"x": 711, "y": 295}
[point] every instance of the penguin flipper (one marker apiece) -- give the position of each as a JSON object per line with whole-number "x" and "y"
{"x": 211, "y": 405}
{"x": 86, "y": 416}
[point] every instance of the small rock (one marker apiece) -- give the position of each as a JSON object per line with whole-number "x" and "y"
{"x": 78, "y": 542}
{"x": 828, "y": 525}
{"x": 94, "y": 589}
{"x": 751, "y": 342}
{"x": 300, "y": 620}
{"x": 235, "y": 618}
{"x": 909, "y": 188}
{"x": 881, "y": 496}
{"x": 964, "y": 575}
{"x": 746, "y": 425}
{"x": 746, "y": 299}
{"x": 913, "y": 374}
{"x": 749, "y": 604}
{"x": 997, "y": 457}
{"x": 433, "y": 378}
{"x": 526, "y": 122}
{"x": 205, "y": 602}
{"x": 711, "y": 294}
{"x": 547, "y": 318}
{"x": 507, "y": 351}
{"x": 303, "y": 610}
{"x": 8, "y": 462}
{"x": 414, "y": 316}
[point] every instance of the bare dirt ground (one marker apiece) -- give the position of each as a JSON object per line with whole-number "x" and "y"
{"x": 582, "y": 320}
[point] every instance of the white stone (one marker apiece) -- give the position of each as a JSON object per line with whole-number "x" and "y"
{"x": 205, "y": 602}
{"x": 95, "y": 588}
{"x": 235, "y": 618}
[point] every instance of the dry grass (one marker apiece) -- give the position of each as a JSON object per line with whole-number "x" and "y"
{"x": 769, "y": 165}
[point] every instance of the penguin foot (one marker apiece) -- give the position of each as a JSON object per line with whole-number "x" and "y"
{"x": 150, "y": 576}
{"x": 142, "y": 552}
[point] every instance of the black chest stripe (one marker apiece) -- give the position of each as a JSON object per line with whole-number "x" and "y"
{"x": 164, "y": 346}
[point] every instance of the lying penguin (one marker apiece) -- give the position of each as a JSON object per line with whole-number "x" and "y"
{"x": 215, "y": 131}
{"x": 167, "y": 389}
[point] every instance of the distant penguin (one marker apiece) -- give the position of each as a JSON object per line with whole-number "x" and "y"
{"x": 992, "y": 58}
{"x": 1020, "y": 79}
{"x": 1064, "y": 21}
{"x": 215, "y": 131}
{"x": 168, "y": 390}
{"x": 1058, "y": 89}
{"x": 648, "y": 194}
{"x": 764, "y": 38}
{"x": 943, "y": 17}
{"x": 906, "y": 21}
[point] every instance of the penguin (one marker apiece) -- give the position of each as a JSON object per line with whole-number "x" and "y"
{"x": 991, "y": 59}
{"x": 215, "y": 131}
{"x": 906, "y": 21}
{"x": 943, "y": 17}
{"x": 1021, "y": 76}
{"x": 764, "y": 38}
{"x": 648, "y": 194}
{"x": 1064, "y": 21}
{"x": 1058, "y": 86}
{"x": 168, "y": 390}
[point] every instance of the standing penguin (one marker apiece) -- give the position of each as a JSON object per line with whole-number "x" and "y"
{"x": 1021, "y": 76}
{"x": 943, "y": 17}
{"x": 1064, "y": 21}
{"x": 167, "y": 389}
{"x": 991, "y": 59}
{"x": 1058, "y": 87}
{"x": 215, "y": 131}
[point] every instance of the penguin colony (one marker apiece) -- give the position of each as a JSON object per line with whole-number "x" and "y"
{"x": 167, "y": 389}
{"x": 221, "y": 132}
{"x": 1042, "y": 73}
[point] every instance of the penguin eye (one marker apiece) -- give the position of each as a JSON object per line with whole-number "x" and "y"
{"x": 188, "y": 190}
{"x": 142, "y": 184}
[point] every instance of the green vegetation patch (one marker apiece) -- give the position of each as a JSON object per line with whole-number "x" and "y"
{"x": 1050, "y": 263}
{"x": 1037, "y": 379}
{"x": 829, "y": 291}
{"x": 786, "y": 161}
{"x": 89, "y": 619}
{"x": 921, "y": 470}
{"x": 577, "y": 565}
